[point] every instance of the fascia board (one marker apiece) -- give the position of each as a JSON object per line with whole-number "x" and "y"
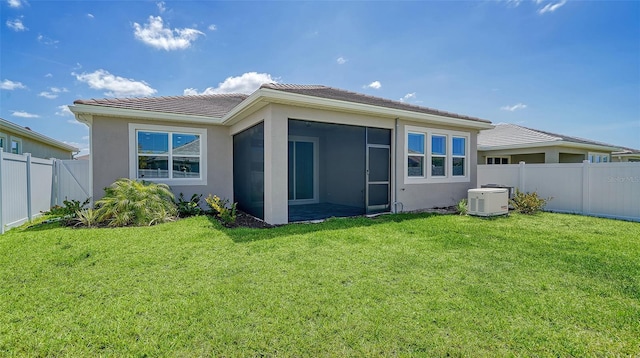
{"x": 37, "y": 136}
{"x": 275, "y": 96}
{"x": 138, "y": 114}
{"x": 559, "y": 143}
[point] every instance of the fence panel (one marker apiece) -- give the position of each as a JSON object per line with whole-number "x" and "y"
{"x": 14, "y": 190}
{"x": 72, "y": 180}
{"x": 41, "y": 174}
{"x": 598, "y": 189}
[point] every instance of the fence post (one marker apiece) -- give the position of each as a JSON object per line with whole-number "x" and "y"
{"x": 29, "y": 215}
{"x": 586, "y": 197}
{"x": 55, "y": 186}
{"x": 1, "y": 200}
{"x": 521, "y": 178}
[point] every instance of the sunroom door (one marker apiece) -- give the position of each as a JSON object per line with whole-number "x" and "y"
{"x": 303, "y": 170}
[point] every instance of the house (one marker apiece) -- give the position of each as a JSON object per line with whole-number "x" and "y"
{"x": 511, "y": 144}
{"x": 18, "y": 140}
{"x": 287, "y": 152}
{"x": 626, "y": 155}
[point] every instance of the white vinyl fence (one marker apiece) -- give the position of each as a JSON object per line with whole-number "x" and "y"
{"x": 597, "y": 189}
{"x": 29, "y": 186}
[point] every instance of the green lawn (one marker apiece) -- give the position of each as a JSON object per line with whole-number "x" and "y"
{"x": 397, "y": 285}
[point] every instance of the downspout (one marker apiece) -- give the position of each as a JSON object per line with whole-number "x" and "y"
{"x": 395, "y": 170}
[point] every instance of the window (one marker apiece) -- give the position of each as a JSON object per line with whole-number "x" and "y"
{"x": 497, "y": 160}
{"x": 3, "y": 142}
{"x": 415, "y": 157}
{"x": 168, "y": 154}
{"x": 446, "y": 153}
{"x": 16, "y": 146}
{"x": 598, "y": 157}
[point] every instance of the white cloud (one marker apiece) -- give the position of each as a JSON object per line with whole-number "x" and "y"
{"x": 115, "y": 86}
{"x": 83, "y": 147}
{"x": 156, "y": 35}
{"x": 161, "y": 7}
{"x": 16, "y": 4}
{"x": 212, "y": 27}
{"x": 374, "y": 85}
{"x": 90, "y": 16}
{"x": 46, "y": 40}
{"x": 16, "y": 25}
{"x": 23, "y": 114}
{"x": 341, "y": 60}
{"x": 513, "y": 108}
{"x": 408, "y": 96}
{"x": 64, "y": 111}
{"x": 52, "y": 93}
{"x": 551, "y": 7}
{"x": 514, "y": 3}
{"x": 10, "y": 85}
{"x": 48, "y": 75}
{"x": 246, "y": 83}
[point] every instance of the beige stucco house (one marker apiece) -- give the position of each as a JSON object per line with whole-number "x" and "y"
{"x": 626, "y": 155}
{"x": 18, "y": 140}
{"x": 511, "y": 144}
{"x": 287, "y": 152}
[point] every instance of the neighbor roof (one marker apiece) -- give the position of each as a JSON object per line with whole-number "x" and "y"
{"x": 28, "y": 133}
{"x": 506, "y": 135}
{"x": 219, "y": 105}
{"x": 215, "y": 105}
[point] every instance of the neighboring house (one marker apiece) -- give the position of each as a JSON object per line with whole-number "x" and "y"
{"x": 626, "y": 155}
{"x": 511, "y": 144}
{"x": 287, "y": 152}
{"x": 18, "y": 140}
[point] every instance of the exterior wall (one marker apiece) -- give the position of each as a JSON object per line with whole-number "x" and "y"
{"x": 110, "y": 156}
{"x": 36, "y": 148}
{"x": 430, "y": 195}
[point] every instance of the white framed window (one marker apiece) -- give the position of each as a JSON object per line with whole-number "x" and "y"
{"x": 170, "y": 155}
{"x": 435, "y": 155}
{"x": 3, "y": 142}
{"x": 16, "y": 146}
{"x": 497, "y": 160}
{"x": 598, "y": 157}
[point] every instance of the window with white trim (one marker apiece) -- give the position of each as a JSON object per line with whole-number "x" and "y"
{"x": 434, "y": 155}
{"x": 598, "y": 157}
{"x": 16, "y": 146}
{"x": 172, "y": 155}
{"x": 497, "y": 160}
{"x": 3, "y": 142}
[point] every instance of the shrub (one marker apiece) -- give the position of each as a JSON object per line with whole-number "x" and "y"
{"x": 462, "y": 208}
{"x": 70, "y": 208}
{"x": 528, "y": 203}
{"x": 221, "y": 208}
{"x": 129, "y": 202}
{"x": 87, "y": 218}
{"x": 189, "y": 207}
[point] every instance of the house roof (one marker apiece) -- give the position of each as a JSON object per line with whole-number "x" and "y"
{"x": 506, "y": 136}
{"x": 348, "y": 96}
{"x": 228, "y": 108}
{"x": 28, "y": 133}
{"x": 215, "y": 105}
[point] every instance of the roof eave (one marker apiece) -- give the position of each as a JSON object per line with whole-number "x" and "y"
{"x": 559, "y": 143}
{"x": 265, "y": 95}
{"x": 81, "y": 109}
{"x": 40, "y": 137}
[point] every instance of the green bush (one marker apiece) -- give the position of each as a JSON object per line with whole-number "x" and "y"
{"x": 189, "y": 207}
{"x": 86, "y": 218}
{"x": 221, "y": 208}
{"x": 129, "y": 202}
{"x": 528, "y": 203}
{"x": 462, "y": 207}
{"x": 70, "y": 208}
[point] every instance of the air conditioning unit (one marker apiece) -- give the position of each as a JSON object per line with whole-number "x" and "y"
{"x": 488, "y": 202}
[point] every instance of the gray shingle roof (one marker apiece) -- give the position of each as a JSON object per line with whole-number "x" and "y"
{"x": 505, "y": 134}
{"x": 216, "y": 105}
{"x": 348, "y": 96}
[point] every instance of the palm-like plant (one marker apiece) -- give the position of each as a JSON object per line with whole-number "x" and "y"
{"x": 130, "y": 202}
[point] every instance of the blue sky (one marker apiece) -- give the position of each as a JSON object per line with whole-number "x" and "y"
{"x": 570, "y": 67}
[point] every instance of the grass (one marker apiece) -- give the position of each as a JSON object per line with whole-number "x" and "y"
{"x": 397, "y": 285}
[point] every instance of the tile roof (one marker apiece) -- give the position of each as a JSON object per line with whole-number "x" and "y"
{"x": 348, "y": 96}
{"x": 506, "y": 134}
{"x": 215, "y": 105}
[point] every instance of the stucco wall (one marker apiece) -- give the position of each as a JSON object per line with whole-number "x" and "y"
{"x": 110, "y": 155}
